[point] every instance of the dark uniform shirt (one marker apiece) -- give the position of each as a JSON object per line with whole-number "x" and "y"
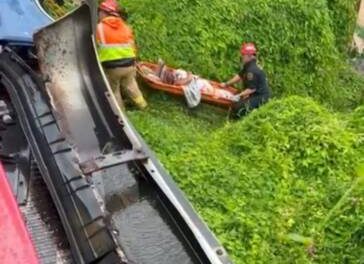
{"x": 254, "y": 77}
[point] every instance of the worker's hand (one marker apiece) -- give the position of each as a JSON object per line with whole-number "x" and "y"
{"x": 236, "y": 98}
{"x": 223, "y": 85}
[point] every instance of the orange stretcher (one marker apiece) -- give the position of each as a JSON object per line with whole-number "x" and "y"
{"x": 217, "y": 95}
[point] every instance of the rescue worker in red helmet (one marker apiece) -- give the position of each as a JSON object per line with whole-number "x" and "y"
{"x": 256, "y": 91}
{"x": 117, "y": 53}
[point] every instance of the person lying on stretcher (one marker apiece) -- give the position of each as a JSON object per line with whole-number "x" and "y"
{"x": 181, "y": 77}
{"x": 168, "y": 76}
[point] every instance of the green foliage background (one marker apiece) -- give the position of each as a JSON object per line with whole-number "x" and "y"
{"x": 55, "y": 10}
{"x": 279, "y": 186}
{"x": 343, "y": 14}
{"x": 269, "y": 186}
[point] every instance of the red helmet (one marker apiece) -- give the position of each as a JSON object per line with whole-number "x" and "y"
{"x": 248, "y": 49}
{"x": 109, "y": 6}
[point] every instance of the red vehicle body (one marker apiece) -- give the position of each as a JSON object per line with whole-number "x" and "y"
{"x": 15, "y": 243}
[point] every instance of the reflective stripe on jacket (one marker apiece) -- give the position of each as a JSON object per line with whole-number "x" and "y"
{"x": 115, "y": 40}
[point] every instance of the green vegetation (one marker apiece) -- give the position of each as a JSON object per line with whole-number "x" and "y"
{"x": 55, "y": 10}
{"x": 283, "y": 185}
{"x": 277, "y": 187}
{"x": 343, "y": 14}
{"x": 357, "y": 119}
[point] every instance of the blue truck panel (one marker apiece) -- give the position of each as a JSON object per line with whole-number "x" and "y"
{"x": 19, "y": 19}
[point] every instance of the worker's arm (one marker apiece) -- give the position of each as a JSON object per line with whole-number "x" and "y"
{"x": 133, "y": 40}
{"x": 135, "y": 48}
{"x": 247, "y": 92}
{"x": 232, "y": 81}
{"x": 251, "y": 85}
{"x": 99, "y": 33}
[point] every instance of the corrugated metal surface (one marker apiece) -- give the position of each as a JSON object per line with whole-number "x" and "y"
{"x": 43, "y": 223}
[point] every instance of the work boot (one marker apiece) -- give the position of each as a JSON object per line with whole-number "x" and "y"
{"x": 140, "y": 102}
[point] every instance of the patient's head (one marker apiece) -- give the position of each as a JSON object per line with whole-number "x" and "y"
{"x": 180, "y": 75}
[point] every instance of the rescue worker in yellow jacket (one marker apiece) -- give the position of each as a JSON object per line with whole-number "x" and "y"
{"x": 117, "y": 53}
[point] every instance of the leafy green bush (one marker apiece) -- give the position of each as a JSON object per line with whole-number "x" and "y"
{"x": 343, "y": 14}
{"x": 356, "y": 123}
{"x": 56, "y": 10}
{"x": 269, "y": 185}
{"x": 172, "y": 128}
{"x": 357, "y": 119}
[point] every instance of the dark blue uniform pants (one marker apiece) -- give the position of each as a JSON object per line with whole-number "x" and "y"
{"x": 243, "y": 107}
